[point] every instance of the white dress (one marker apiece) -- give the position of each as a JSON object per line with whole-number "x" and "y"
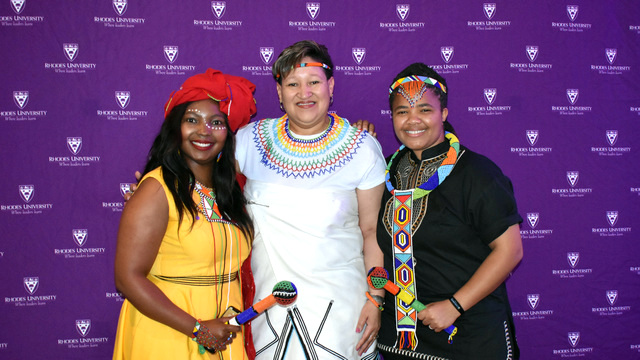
{"x": 306, "y": 220}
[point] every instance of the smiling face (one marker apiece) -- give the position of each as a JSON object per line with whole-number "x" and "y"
{"x": 204, "y": 131}
{"x": 419, "y": 126}
{"x": 306, "y": 95}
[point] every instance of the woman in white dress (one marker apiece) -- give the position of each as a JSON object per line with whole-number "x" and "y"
{"x": 314, "y": 185}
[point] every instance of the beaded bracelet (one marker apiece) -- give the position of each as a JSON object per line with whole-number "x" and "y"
{"x": 204, "y": 338}
{"x": 377, "y": 300}
{"x": 456, "y": 305}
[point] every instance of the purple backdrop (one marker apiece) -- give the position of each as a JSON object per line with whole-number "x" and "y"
{"x": 550, "y": 90}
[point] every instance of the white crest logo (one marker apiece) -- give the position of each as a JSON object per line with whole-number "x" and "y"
{"x": 533, "y": 218}
{"x": 83, "y": 327}
{"x": 358, "y": 54}
{"x": 80, "y": 236}
{"x": 403, "y": 11}
{"x": 573, "y": 337}
{"x": 572, "y": 177}
{"x": 490, "y": 95}
{"x": 125, "y": 188}
{"x": 532, "y": 137}
{"x": 533, "y": 300}
{"x": 612, "y": 217}
{"x": 31, "y": 284}
{"x": 18, "y": 5}
{"x": 21, "y": 98}
{"x": 572, "y": 12}
{"x": 446, "y": 52}
{"x": 572, "y": 95}
{"x": 612, "y": 296}
{"x": 612, "y": 136}
{"x": 122, "y": 98}
{"x": 266, "y": 53}
{"x": 70, "y": 51}
{"x": 532, "y": 52}
{"x": 170, "y": 53}
{"x": 74, "y": 144}
{"x": 26, "y": 192}
{"x": 218, "y": 8}
{"x": 489, "y": 10}
{"x": 120, "y": 6}
{"x": 611, "y": 55}
{"x": 313, "y": 9}
{"x": 573, "y": 258}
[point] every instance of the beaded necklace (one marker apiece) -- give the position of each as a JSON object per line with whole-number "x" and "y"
{"x": 208, "y": 205}
{"x": 438, "y": 176}
{"x": 402, "y": 240}
{"x": 209, "y": 208}
{"x": 290, "y": 156}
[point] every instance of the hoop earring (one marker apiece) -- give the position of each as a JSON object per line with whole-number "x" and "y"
{"x": 331, "y": 101}
{"x": 282, "y": 107}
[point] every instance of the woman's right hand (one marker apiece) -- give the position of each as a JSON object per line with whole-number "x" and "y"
{"x": 223, "y": 332}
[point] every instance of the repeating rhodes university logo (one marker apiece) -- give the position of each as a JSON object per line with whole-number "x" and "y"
{"x": 21, "y": 99}
{"x": 403, "y": 11}
{"x": 358, "y": 54}
{"x": 572, "y": 25}
{"x": 120, "y": 6}
{"x": 83, "y": 328}
{"x": 18, "y": 6}
{"x": 312, "y": 23}
{"x": 611, "y": 55}
{"x": 266, "y": 55}
{"x": 572, "y": 191}
{"x": 489, "y": 10}
{"x": 218, "y": 8}
{"x": 31, "y": 285}
{"x": 313, "y": 9}
{"x": 489, "y": 95}
{"x": 533, "y": 301}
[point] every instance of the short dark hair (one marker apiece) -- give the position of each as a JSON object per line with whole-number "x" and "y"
{"x": 421, "y": 69}
{"x": 292, "y": 56}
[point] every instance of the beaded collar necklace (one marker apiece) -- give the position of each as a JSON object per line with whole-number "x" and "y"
{"x": 438, "y": 177}
{"x": 290, "y": 156}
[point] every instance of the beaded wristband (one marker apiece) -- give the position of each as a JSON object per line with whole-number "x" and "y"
{"x": 205, "y": 339}
{"x": 456, "y": 305}
{"x": 377, "y": 300}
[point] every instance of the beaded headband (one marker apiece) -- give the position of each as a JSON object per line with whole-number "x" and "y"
{"x": 322, "y": 65}
{"x": 424, "y": 79}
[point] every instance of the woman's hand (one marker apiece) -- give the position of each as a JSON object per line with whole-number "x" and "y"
{"x": 370, "y": 321}
{"x": 366, "y": 125}
{"x": 132, "y": 188}
{"x": 223, "y": 333}
{"x": 438, "y": 315}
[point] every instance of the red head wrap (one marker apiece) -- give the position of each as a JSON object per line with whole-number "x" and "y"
{"x": 233, "y": 93}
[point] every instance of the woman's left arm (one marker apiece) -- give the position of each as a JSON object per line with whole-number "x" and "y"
{"x": 506, "y": 253}
{"x": 368, "y": 207}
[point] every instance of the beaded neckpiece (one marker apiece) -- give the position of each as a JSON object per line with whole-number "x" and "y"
{"x": 438, "y": 177}
{"x": 291, "y": 156}
{"x": 207, "y": 205}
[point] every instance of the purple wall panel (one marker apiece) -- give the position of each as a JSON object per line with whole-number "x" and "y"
{"x": 549, "y": 90}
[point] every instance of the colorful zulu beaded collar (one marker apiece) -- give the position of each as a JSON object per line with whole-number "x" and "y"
{"x": 295, "y": 157}
{"x": 424, "y": 79}
{"x": 322, "y": 65}
{"x": 438, "y": 177}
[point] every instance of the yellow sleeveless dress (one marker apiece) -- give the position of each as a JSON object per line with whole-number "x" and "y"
{"x": 210, "y": 250}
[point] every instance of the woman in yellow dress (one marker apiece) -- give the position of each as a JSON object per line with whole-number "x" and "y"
{"x": 184, "y": 235}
